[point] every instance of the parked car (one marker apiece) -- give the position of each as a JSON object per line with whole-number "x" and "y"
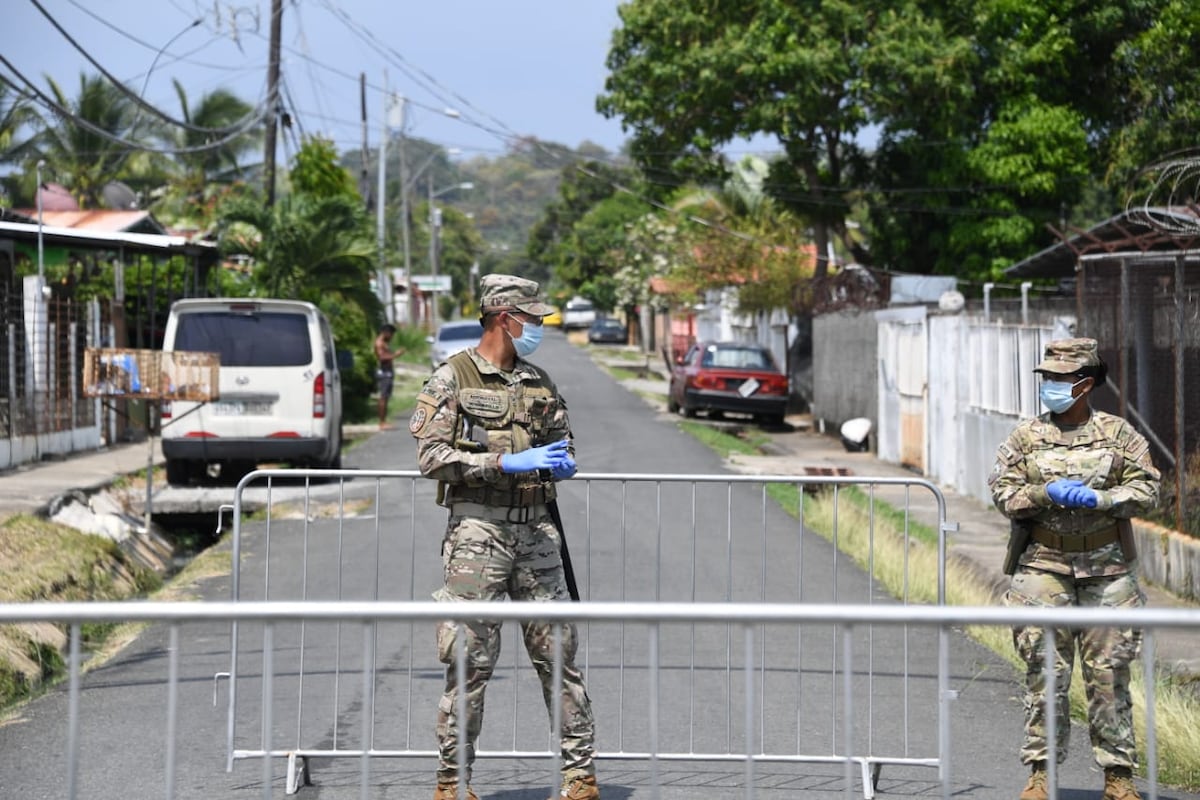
{"x": 737, "y": 377}
{"x": 607, "y": 330}
{"x": 453, "y": 337}
{"x": 554, "y": 319}
{"x": 580, "y": 313}
{"x": 280, "y": 389}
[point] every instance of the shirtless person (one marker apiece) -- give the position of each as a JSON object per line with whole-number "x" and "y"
{"x": 385, "y": 373}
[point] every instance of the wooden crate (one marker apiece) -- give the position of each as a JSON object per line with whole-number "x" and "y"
{"x": 150, "y": 374}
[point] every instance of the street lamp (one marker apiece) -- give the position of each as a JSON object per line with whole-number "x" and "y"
{"x": 406, "y": 184}
{"x": 435, "y": 227}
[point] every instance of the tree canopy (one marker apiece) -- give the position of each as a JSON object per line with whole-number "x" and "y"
{"x": 956, "y": 131}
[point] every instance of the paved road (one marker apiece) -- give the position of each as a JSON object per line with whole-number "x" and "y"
{"x": 631, "y": 541}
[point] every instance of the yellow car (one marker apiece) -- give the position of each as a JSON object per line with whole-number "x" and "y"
{"x": 553, "y": 318}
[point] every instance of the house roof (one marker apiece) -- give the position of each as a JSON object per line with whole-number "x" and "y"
{"x": 97, "y": 219}
{"x": 1136, "y": 230}
{"x": 152, "y": 243}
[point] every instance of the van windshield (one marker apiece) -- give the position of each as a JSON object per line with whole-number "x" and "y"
{"x": 247, "y": 340}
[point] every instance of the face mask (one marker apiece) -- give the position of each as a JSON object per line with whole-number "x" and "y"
{"x": 1056, "y": 395}
{"x": 528, "y": 341}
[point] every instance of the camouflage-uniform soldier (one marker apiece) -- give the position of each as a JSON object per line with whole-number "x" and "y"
{"x": 493, "y": 430}
{"x": 1072, "y": 474}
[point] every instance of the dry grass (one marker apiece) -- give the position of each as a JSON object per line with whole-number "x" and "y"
{"x": 45, "y": 562}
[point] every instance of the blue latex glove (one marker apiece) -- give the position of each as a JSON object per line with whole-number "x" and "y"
{"x": 1082, "y": 496}
{"x": 1060, "y": 492}
{"x": 547, "y": 456}
{"x": 564, "y": 470}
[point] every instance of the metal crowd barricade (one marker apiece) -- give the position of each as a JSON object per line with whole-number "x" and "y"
{"x": 374, "y": 535}
{"x": 366, "y": 618}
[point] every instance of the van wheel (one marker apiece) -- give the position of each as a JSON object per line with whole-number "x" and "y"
{"x": 179, "y": 472}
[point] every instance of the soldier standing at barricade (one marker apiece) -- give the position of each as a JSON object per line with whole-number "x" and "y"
{"x": 493, "y": 430}
{"x": 1075, "y": 477}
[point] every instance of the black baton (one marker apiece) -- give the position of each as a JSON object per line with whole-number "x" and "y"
{"x": 563, "y": 552}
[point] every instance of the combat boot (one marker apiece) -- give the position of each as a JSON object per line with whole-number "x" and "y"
{"x": 581, "y": 788}
{"x": 449, "y": 791}
{"x": 1118, "y": 784}
{"x": 1036, "y": 786}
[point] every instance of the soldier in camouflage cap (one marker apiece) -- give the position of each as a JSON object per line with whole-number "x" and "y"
{"x": 1069, "y": 356}
{"x": 492, "y": 429}
{"x": 1073, "y": 477}
{"x": 508, "y": 292}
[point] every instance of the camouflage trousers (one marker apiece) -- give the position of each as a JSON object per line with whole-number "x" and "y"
{"x": 486, "y": 560}
{"x": 1104, "y": 658}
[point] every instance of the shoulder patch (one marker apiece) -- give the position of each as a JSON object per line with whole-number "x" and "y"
{"x": 422, "y": 415}
{"x": 1007, "y": 455}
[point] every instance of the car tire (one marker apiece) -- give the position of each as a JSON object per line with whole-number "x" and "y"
{"x": 688, "y": 411}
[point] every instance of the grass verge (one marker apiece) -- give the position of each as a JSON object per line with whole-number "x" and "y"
{"x": 907, "y": 567}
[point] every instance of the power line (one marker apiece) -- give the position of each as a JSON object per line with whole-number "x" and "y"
{"x": 66, "y": 114}
{"x": 130, "y": 93}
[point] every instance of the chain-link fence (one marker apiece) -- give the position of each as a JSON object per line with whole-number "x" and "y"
{"x": 1144, "y": 309}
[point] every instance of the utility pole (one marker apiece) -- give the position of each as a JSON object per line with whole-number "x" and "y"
{"x": 364, "y": 183}
{"x": 402, "y": 103}
{"x": 435, "y": 225}
{"x": 272, "y": 100}
{"x": 382, "y": 281}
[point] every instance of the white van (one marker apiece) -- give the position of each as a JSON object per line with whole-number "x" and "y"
{"x": 579, "y": 313}
{"x": 280, "y": 389}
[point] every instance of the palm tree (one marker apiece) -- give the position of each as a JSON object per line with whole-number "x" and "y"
{"x": 305, "y": 247}
{"x": 208, "y": 157}
{"x": 16, "y": 116}
{"x": 89, "y": 146}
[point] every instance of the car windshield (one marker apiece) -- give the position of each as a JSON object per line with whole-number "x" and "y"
{"x": 737, "y": 358}
{"x": 454, "y": 333}
{"x": 246, "y": 340}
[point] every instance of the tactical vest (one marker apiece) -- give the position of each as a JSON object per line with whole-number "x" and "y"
{"x": 498, "y": 417}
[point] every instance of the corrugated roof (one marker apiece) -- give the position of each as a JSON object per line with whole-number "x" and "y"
{"x": 98, "y": 219}
{"x": 1138, "y": 230}
{"x": 144, "y": 242}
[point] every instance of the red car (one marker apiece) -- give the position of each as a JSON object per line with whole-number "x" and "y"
{"x": 739, "y": 377}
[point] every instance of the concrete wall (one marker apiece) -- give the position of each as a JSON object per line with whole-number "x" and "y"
{"x": 1168, "y": 559}
{"x": 845, "y": 376}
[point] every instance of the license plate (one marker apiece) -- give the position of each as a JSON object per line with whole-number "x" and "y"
{"x": 749, "y": 387}
{"x": 241, "y": 409}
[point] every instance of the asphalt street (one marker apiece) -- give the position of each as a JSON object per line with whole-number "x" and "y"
{"x": 632, "y": 540}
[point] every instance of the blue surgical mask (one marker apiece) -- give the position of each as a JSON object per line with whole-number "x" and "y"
{"x": 1056, "y": 395}
{"x": 528, "y": 341}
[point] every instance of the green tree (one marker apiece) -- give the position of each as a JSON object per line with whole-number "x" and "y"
{"x": 16, "y": 120}
{"x": 209, "y": 162}
{"x": 315, "y": 244}
{"x": 690, "y": 76}
{"x": 90, "y": 148}
{"x": 552, "y": 240}
{"x": 988, "y": 119}
{"x": 1156, "y": 71}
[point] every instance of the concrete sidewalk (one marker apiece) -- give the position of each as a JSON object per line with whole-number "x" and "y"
{"x": 31, "y": 488}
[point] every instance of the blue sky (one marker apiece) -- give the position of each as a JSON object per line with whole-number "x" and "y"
{"x": 512, "y": 68}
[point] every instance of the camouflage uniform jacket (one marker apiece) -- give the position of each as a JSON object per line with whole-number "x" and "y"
{"x": 1107, "y": 454}
{"x": 461, "y": 432}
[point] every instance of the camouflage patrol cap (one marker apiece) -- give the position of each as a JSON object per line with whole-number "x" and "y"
{"x": 507, "y": 292}
{"x": 1067, "y": 356}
